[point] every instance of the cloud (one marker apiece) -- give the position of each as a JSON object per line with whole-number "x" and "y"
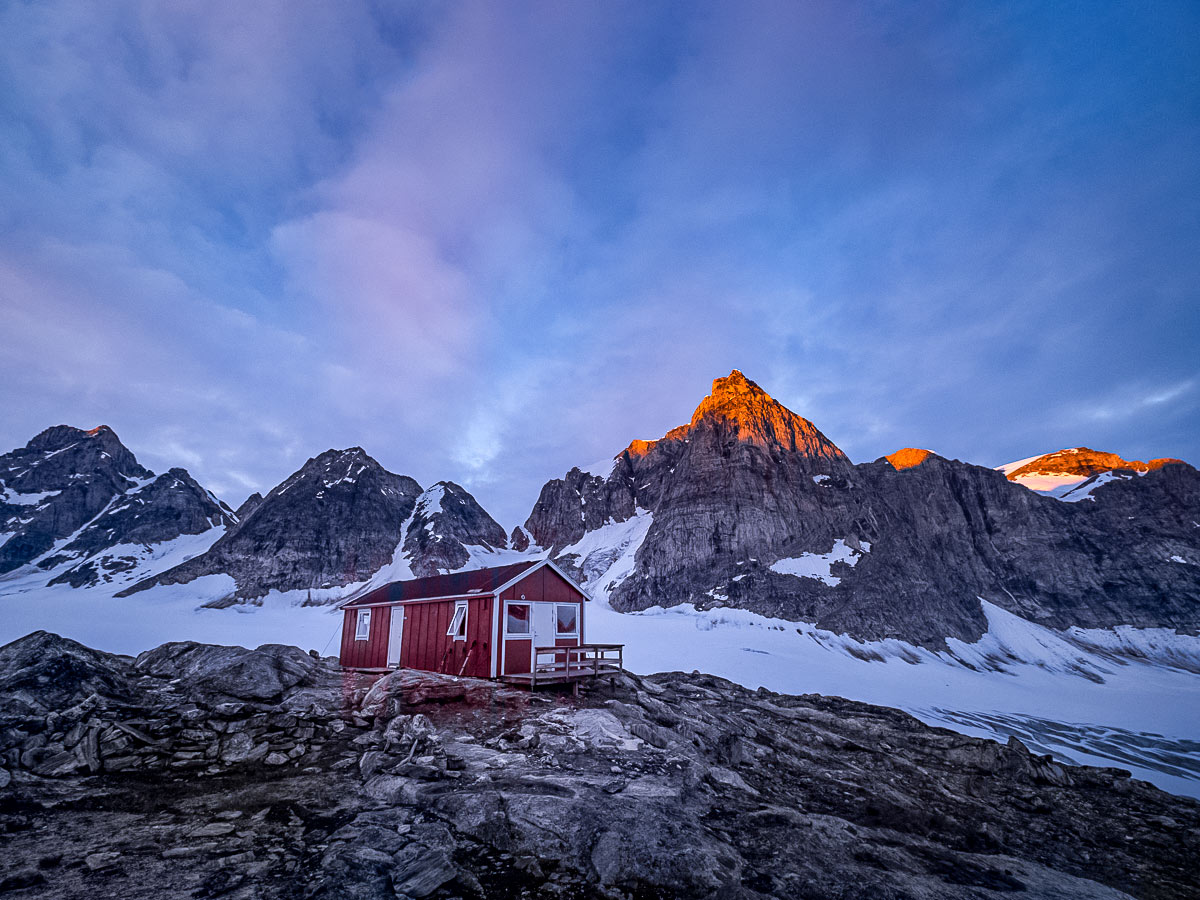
{"x": 491, "y": 242}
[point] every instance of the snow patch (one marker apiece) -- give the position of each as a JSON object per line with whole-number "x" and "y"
{"x": 430, "y": 501}
{"x": 1084, "y": 490}
{"x": 1013, "y": 466}
{"x": 49, "y": 453}
{"x": 1054, "y": 485}
{"x": 16, "y": 498}
{"x": 606, "y": 554}
{"x": 118, "y": 566}
{"x": 820, "y": 565}
{"x": 481, "y": 556}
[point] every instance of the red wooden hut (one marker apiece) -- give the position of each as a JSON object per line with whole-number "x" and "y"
{"x": 510, "y": 622}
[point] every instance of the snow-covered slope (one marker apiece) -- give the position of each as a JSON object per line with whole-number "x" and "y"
{"x": 1074, "y": 694}
{"x": 77, "y": 508}
{"x": 1072, "y": 474}
{"x": 1077, "y": 694}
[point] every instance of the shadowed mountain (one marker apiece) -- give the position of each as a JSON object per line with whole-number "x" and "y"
{"x": 750, "y": 506}
{"x": 77, "y": 505}
{"x": 340, "y": 519}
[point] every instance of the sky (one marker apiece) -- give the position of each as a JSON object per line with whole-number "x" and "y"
{"x": 490, "y": 241}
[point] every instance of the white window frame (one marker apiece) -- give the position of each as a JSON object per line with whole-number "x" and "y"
{"x": 362, "y": 625}
{"x": 458, "y": 623}
{"x": 566, "y": 634}
{"x": 518, "y": 636}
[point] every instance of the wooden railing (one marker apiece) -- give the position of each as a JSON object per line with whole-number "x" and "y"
{"x": 571, "y": 663}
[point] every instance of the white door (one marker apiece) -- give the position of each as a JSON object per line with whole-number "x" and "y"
{"x": 543, "y": 627}
{"x": 395, "y": 636}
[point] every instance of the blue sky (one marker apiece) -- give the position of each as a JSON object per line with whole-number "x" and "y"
{"x": 488, "y": 241}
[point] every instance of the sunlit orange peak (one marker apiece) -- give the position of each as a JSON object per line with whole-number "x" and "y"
{"x": 1084, "y": 461}
{"x": 909, "y": 457}
{"x": 639, "y": 447}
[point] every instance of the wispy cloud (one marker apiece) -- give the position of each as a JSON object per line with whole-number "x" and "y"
{"x": 489, "y": 242}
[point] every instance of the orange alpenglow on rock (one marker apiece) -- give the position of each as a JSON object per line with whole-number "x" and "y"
{"x": 639, "y": 447}
{"x": 909, "y": 457}
{"x": 1083, "y": 461}
{"x": 757, "y": 417}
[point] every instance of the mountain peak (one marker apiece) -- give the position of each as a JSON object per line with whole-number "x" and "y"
{"x": 908, "y": 457}
{"x": 756, "y": 417}
{"x": 332, "y": 455}
{"x": 760, "y": 419}
{"x": 731, "y": 394}
{"x": 56, "y": 437}
{"x": 1079, "y": 461}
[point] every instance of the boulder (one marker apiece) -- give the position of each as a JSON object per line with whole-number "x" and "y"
{"x": 241, "y": 748}
{"x": 402, "y": 689}
{"x": 44, "y": 671}
{"x": 420, "y": 870}
{"x": 261, "y": 674}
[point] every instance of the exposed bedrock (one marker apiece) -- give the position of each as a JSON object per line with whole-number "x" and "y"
{"x": 215, "y": 771}
{"x": 750, "y": 506}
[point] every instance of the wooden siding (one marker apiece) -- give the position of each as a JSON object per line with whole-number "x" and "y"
{"x": 544, "y": 584}
{"x": 518, "y": 656}
{"x": 371, "y": 653}
{"x": 427, "y": 646}
{"x": 540, "y": 585}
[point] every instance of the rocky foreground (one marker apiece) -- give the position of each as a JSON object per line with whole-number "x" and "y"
{"x": 201, "y": 771}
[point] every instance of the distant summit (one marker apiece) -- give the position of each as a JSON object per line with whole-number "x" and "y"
{"x": 1070, "y": 474}
{"x": 77, "y": 506}
{"x": 742, "y": 411}
{"x": 1080, "y": 461}
{"x": 749, "y": 505}
{"x": 908, "y": 457}
{"x": 339, "y": 519}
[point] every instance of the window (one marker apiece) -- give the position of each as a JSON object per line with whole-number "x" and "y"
{"x": 458, "y": 625}
{"x": 517, "y": 620}
{"x": 567, "y": 620}
{"x": 362, "y": 625}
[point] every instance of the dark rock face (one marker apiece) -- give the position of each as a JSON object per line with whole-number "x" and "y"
{"x": 445, "y": 521}
{"x": 736, "y": 469}
{"x": 519, "y": 539}
{"x": 910, "y": 543}
{"x": 415, "y": 785}
{"x": 249, "y": 505}
{"x": 86, "y": 486}
{"x": 337, "y": 520}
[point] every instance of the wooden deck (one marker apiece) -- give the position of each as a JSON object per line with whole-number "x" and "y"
{"x": 567, "y": 665}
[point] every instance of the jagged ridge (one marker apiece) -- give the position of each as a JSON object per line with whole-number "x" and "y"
{"x": 338, "y": 520}
{"x": 743, "y": 515}
{"x": 70, "y": 496}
